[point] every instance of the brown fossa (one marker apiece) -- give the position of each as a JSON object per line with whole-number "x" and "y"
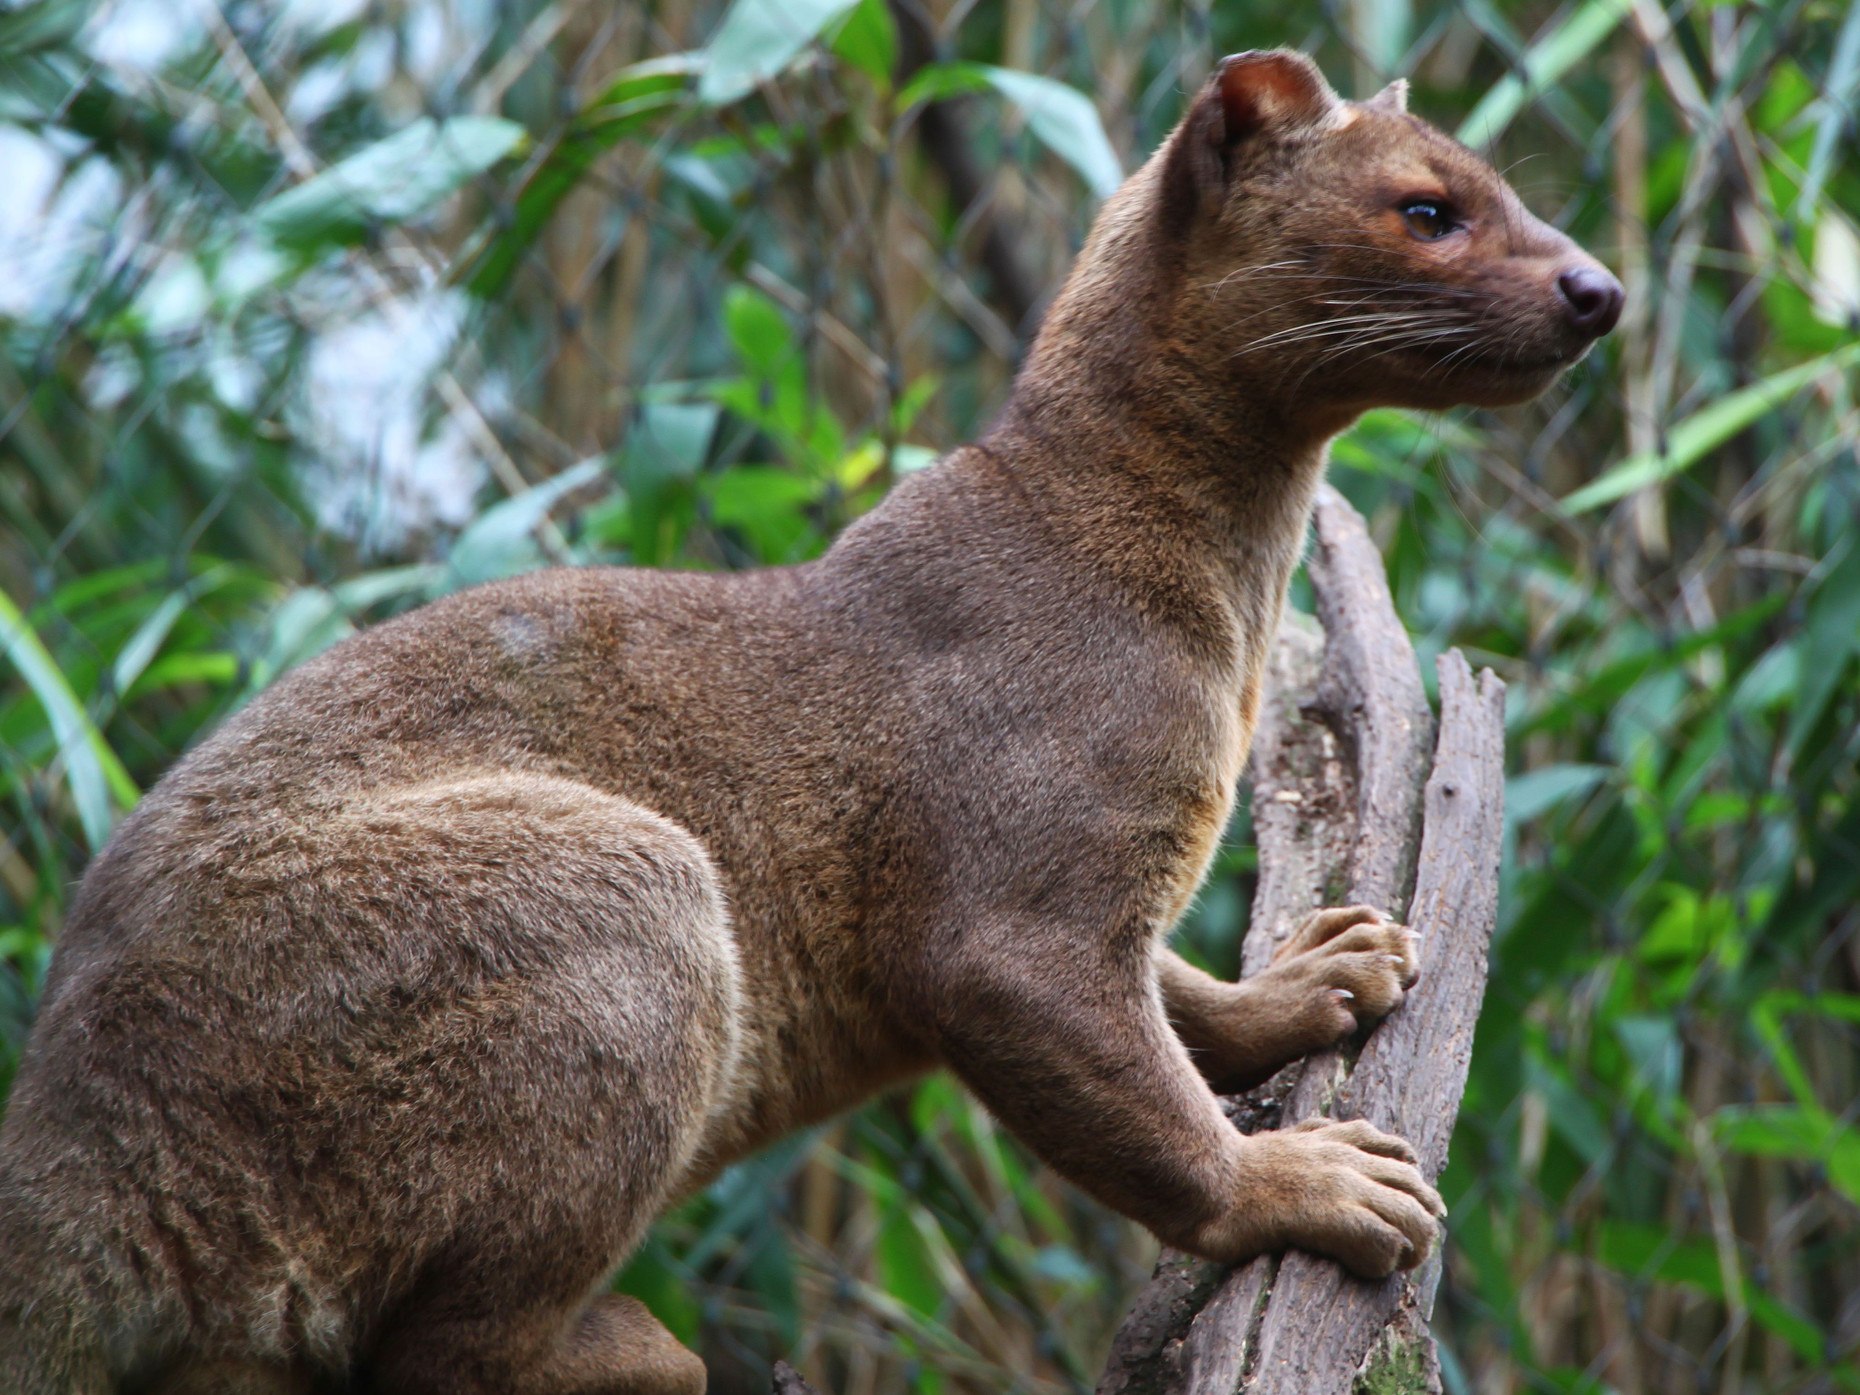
{"x": 393, "y": 1015}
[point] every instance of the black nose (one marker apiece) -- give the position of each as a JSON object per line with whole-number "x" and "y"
{"x": 1591, "y": 298}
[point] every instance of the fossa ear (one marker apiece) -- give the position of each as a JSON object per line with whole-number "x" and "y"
{"x": 1392, "y": 99}
{"x": 1250, "y": 97}
{"x": 1270, "y": 90}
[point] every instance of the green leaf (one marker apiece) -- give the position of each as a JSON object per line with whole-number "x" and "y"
{"x": 1652, "y": 1044}
{"x": 1654, "y": 1252}
{"x": 654, "y": 1277}
{"x": 1772, "y": 1131}
{"x": 1382, "y": 32}
{"x": 771, "y": 1275}
{"x": 757, "y": 40}
{"x": 1067, "y": 1266}
{"x": 95, "y": 776}
{"x": 1842, "y": 1007}
{"x": 1770, "y": 682}
{"x": 906, "y": 1265}
{"x": 1065, "y": 121}
{"x": 633, "y": 101}
{"x": 741, "y": 1196}
{"x": 768, "y": 508}
{"x": 388, "y": 182}
{"x": 1841, "y": 103}
{"x": 1537, "y": 792}
{"x": 1546, "y": 61}
{"x": 758, "y": 331}
{"x": 1572, "y": 1115}
{"x": 1788, "y": 1131}
{"x": 1705, "y": 430}
{"x": 907, "y": 459}
{"x": 639, "y": 90}
{"x": 139, "y": 651}
{"x": 146, "y": 642}
{"x": 214, "y": 668}
{"x": 869, "y": 41}
{"x": 367, "y": 589}
{"x": 1830, "y": 639}
{"x": 499, "y": 543}
{"x": 663, "y": 454}
{"x": 1061, "y": 118}
{"x": 306, "y": 622}
{"x": 48, "y": 25}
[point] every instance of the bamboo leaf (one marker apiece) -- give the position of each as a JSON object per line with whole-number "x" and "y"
{"x": 1841, "y": 98}
{"x": 51, "y": 24}
{"x": 757, "y": 40}
{"x": 1538, "y": 791}
{"x": 98, "y": 781}
{"x": 1061, "y": 118}
{"x": 1654, "y": 1252}
{"x": 905, "y": 1262}
{"x": 1705, "y": 430}
{"x": 1546, "y": 61}
{"x": 869, "y": 41}
{"x": 139, "y": 651}
{"x": 1829, "y": 639}
{"x": 306, "y": 622}
{"x": 637, "y": 98}
{"x": 1789, "y": 1131}
{"x": 146, "y": 642}
{"x": 388, "y": 182}
{"x": 498, "y": 543}
{"x": 1064, "y": 120}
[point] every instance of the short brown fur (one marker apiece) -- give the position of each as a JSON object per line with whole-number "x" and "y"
{"x": 391, "y": 1018}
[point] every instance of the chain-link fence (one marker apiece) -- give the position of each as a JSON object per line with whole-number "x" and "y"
{"x": 311, "y": 312}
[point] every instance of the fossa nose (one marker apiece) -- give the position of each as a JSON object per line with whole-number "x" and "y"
{"x": 1592, "y": 299}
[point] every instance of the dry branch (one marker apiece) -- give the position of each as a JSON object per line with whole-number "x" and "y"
{"x": 788, "y": 1381}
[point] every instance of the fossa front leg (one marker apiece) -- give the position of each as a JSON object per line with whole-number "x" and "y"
{"x": 1341, "y": 969}
{"x": 1065, "y": 1042}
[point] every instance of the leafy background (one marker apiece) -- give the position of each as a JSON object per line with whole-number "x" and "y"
{"x": 309, "y": 312}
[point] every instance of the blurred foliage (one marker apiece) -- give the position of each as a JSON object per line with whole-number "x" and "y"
{"x": 310, "y": 313}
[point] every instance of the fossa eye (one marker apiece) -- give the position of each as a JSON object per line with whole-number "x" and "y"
{"x": 1428, "y": 219}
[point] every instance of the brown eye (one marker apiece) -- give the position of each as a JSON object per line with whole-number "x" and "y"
{"x": 1428, "y": 219}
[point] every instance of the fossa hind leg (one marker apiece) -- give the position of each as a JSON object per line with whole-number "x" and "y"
{"x": 612, "y": 1345}
{"x": 546, "y": 1116}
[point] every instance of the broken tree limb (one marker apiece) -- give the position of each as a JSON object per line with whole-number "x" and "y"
{"x": 1345, "y": 810}
{"x": 785, "y": 1380}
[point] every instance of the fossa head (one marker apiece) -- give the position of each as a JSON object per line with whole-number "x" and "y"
{"x": 1341, "y": 255}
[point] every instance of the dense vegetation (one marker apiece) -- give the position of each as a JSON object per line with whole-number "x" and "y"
{"x": 309, "y": 313}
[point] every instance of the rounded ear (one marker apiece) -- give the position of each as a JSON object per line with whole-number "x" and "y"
{"x": 1271, "y": 89}
{"x": 1393, "y": 98}
{"x": 1254, "y": 94}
